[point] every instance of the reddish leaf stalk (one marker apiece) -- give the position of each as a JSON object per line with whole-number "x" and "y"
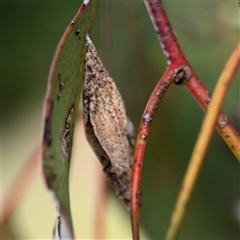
{"x": 143, "y": 133}
{"x": 167, "y": 38}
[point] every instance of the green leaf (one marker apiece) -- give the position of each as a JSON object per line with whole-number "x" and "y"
{"x": 61, "y": 108}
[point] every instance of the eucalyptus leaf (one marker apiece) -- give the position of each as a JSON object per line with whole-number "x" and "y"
{"x": 61, "y": 109}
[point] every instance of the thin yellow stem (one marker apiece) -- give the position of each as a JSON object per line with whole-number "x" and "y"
{"x": 203, "y": 141}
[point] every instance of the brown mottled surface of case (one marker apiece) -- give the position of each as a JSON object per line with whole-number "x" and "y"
{"x": 106, "y": 124}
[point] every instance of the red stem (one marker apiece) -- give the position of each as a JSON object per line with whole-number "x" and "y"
{"x": 167, "y": 38}
{"x": 143, "y": 132}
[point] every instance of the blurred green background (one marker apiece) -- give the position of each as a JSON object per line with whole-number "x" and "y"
{"x": 123, "y": 33}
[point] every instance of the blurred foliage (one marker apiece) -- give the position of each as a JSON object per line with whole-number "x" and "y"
{"x": 207, "y": 32}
